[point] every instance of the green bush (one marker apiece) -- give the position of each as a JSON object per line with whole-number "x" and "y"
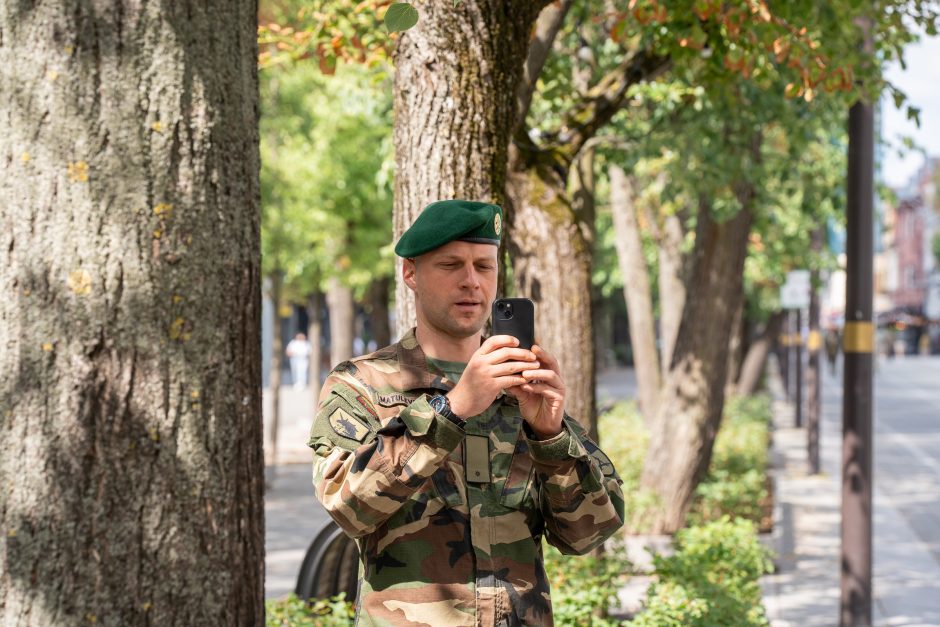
{"x": 584, "y": 587}
{"x": 735, "y": 484}
{"x": 711, "y": 580}
{"x": 291, "y": 611}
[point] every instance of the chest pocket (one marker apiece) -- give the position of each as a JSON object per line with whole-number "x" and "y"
{"x": 520, "y": 476}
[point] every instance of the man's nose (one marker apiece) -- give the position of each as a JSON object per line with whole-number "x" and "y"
{"x": 470, "y": 278}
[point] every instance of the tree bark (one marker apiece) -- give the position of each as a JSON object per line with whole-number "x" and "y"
{"x": 756, "y": 358}
{"x": 551, "y": 265}
{"x": 691, "y": 404}
{"x": 456, "y": 74}
{"x": 339, "y": 300}
{"x": 130, "y": 410}
{"x": 672, "y": 287}
{"x": 636, "y": 291}
{"x": 735, "y": 349}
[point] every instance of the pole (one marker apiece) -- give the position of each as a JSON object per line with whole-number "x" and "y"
{"x": 813, "y": 380}
{"x": 798, "y": 376}
{"x": 855, "y": 606}
{"x": 785, "y": 352}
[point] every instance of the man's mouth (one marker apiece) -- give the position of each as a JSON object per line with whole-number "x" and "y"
{"x": 468, "y": 304}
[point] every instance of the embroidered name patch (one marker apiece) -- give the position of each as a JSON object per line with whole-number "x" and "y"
{"x": 388, "y": 400}
{"x": 347, "y": 426}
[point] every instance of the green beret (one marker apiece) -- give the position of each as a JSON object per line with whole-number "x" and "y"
{"x": 448, "y": 220}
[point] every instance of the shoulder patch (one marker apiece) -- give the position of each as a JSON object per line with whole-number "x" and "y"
{"x": 390, "y": 400}
{"x": 347, "y": 426}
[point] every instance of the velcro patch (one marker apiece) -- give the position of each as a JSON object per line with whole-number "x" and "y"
{"x": 347, "y": 426}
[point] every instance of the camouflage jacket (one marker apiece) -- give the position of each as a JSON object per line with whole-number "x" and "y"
{"x": 437, "y": 549}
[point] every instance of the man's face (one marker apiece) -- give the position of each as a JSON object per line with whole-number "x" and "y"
{"x": 454, "y": 286}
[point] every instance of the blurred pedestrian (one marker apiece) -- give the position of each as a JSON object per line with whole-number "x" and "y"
{"x": 832, "y": 348}
{"x": 298, "y": 350}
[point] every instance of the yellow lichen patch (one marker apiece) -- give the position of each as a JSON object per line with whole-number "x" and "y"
{"x": 146, "y": 606}
{"x": 79, "y": 282}
{"x": 11, "y": 533}
{"x": 157, "y": 127}
{"x": 47, "y": 346}
{"x": 25, "y": 157}
{"x": 176, "y": 328}
{"x": 27, "y": 292}
{"x": 157, "y": 233}
{"x": 69, "y": 50}
{"x": 51, "y": 75}
{"x": 91, "y": 618}
{"x": 194, "y": 394}
{"x": 78, "y": 172}
{"x": 164, "y": 210}
{"x": 177, "y": 299}
{"x": 153, "y": 434}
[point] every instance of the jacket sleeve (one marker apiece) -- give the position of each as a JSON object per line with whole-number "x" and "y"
{"x": 579, "y": 490}
{"x": 363, "y": 472}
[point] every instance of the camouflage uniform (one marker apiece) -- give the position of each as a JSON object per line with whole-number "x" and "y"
{"x": 435, "y": 548}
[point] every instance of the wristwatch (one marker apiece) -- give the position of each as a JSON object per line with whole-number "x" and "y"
{"x": 441, "y": 404}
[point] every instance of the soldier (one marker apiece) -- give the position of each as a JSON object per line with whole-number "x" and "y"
{"x": 449, "y": 457}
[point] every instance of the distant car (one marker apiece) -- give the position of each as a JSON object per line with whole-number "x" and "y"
{"x": 331, "y": 566}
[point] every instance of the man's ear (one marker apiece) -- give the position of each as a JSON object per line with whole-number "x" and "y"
{"x": 408, "y": 273}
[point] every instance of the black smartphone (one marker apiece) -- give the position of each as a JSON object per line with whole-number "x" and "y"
{"x": 516, "y": 317}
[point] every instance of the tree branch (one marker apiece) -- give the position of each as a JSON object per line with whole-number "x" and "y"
{"x": 546, "y": 29}
{"x": 607, "y": 97}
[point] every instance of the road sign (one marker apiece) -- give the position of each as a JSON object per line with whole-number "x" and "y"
{"x": 794, "y": 295}
{"x": 798, "y": 278}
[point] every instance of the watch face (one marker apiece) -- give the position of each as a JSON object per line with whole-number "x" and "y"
{"x": 438, "y": 403}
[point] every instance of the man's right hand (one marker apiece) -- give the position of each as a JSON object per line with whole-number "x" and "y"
{"x": 495, "y": 366}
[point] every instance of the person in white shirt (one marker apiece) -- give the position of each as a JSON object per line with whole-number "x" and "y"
{"x": 298, "y": 350}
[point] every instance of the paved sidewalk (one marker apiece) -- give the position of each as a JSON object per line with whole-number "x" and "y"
{"x": 804, "y": 591}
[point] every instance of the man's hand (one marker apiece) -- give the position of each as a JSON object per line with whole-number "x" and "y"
{"x": 542, "y": 396}
{"x": 494, "y": 367}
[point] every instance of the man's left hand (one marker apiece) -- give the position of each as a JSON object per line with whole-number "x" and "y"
{"x": 542, "y": 398}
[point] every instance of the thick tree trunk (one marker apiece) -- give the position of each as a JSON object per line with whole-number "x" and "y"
{"x": 693, "y": 393}
{"x": 378, "y": 311}
{"x": 552, "y": 265}
{"x": 339, "y": 299}
{"x": 314, "y": 333}
{"x": 277, "y": 360}
{"x": 756, "y": 358}
{"x": 456, "y": 74}
{"x": 636, "y": 291}
{"x": 130, "y": 410}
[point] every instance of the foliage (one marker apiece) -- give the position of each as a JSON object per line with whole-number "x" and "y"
{"x": 292, "y": 611}
{"x": 711, "y": 580}
{"x": 935, "y": 245}
{"x": 735, "y": 483}
{"x": 584, "y": 586}
{"x": 326, "y": 176}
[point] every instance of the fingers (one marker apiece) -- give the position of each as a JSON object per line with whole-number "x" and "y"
{"x": 497, "y": 341}
{"x": 542, "y": 375}
{"x": 542, "y": 389}
{"x": 512, "y": 367}
{"x": 506, "y": 354}
{"x": 545, "y": 357}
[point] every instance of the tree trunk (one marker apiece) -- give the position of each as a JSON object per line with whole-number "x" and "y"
{"x": 735, "y": 349}
{"x": 636, "y": 291}
{"x": 552, "y": 266}
{"x": 378, "y": 311}
{"x": 314, "y": 333}
{"x": 277, "y": 361}
{"x": 339, "y": 299}
{"x": 682, "y": 436}
{"x": 672, "y": 288}
{"x": 456, "y": 74}
{"x": 131, "y": 442}
{"x": 756, "y": 358}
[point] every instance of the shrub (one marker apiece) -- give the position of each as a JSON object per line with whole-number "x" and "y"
{"x": 585, "y": 587}
{"x": 291, "y": 611}
{"x": 711, "y": 580}
{"x": 735, "y": 483}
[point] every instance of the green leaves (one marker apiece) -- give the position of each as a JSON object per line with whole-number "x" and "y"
{"x": 400, "y": 17}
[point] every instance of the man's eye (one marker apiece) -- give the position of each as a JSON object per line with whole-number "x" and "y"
{"x": 485, "y": 268}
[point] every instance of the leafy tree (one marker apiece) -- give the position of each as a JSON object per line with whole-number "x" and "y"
{"x": 130, "y": 457}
